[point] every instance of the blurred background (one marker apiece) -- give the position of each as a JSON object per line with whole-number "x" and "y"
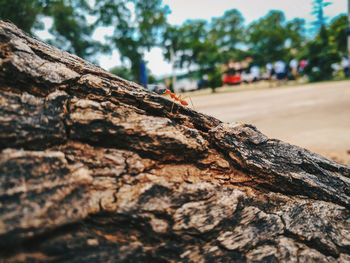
{"x": 282, "y": 66}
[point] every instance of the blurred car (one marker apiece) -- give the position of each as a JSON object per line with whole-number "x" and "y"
{"x": 186, "y": 84}
{"x": 202, "y": 83}
{"x": 246, "y": 77}
{"x": 228, "y": 79}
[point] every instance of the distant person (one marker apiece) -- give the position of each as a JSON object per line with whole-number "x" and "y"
{"x": 269, "y": 70}
{"x": 281, "y": 71}
{"x": 244, "y": 65}
{"x": 231, "y": 67}
{"x": 255, "y": 73}
{"x": 345, "y": 66}
{"x": 237, "y": 66}
{"x": 302, "y": 65}
{"x": 293, "y": 64}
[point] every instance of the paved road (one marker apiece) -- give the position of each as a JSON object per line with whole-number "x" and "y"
{"x": 313, "y": 116}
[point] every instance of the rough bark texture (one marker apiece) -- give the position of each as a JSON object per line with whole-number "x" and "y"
{"x": 94, "y": 168}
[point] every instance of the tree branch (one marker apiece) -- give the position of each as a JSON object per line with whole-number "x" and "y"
{"x": 96, "y": 168}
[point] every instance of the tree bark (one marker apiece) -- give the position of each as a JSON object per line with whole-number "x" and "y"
{"x": 94, "y": 168}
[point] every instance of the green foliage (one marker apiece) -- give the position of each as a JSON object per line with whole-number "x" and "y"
{"x": 22, "y": 13}
{"x": 321, "y": 20}
{"x": 192, "y": 46}
{"x": 70, "y": 28}
{"x": 208, "y": 46}
{"x": 122, "y": 72}
{"x": 137, "y": 24}
{"x": 187, "y": 41}
{"x": 295, "y": 33}
{"x": 321, "y": 55}
{"x": 337, "y": 34}
{"x": 271, "y": 38}
{"x": 151, "y": 78}
{"x": 137, "y": 27}
{"x": 140, "y": 25}
{"x": 228, "y": 30}
{"x": 215, "y": 78}
{"x": 327, "y": 48}
{"x": 205, "y": 45}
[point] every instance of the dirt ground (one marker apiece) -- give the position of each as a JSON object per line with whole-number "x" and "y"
{"x": 313, "y": 116}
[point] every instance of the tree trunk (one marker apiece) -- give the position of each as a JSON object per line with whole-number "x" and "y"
{"x": 94, "y": 168}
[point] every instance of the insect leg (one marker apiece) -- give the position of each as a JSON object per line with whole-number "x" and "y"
{"x": 172, "y": 106}
{"x": 190, "y": 100}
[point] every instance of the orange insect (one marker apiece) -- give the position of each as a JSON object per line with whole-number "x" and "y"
{"x": 178, "y": 98}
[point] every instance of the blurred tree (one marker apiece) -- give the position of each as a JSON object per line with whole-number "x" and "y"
{"x": 187, "y": 42}
{"x": 193, "y": 48}
{"x": 295, "y": 33}
{"x": 22, "y": 13}
{"x": 321, "y": 20}
{"x": 138, "y": 26}
{"x": 228, "y": 30}
{"x": 271, "y": 38}
{"x": 151, "y": 78}
{"x": 70, "y": 29}
{"x": 337, "y": 33}
{"x": 122, "y": 72}
{"x": 208, "y": 61}
{"x": 321, "y": 55}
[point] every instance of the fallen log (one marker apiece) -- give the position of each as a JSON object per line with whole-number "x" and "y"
{"x": 95, "y": 168}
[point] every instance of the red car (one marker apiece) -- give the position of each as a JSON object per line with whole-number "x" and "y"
{"x": 231, "y": 79}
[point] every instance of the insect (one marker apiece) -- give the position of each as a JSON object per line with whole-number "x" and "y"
{"x": 177, "y": 98}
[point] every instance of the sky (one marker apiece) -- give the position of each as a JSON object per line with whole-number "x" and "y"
{"x": 251, "y": 10}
